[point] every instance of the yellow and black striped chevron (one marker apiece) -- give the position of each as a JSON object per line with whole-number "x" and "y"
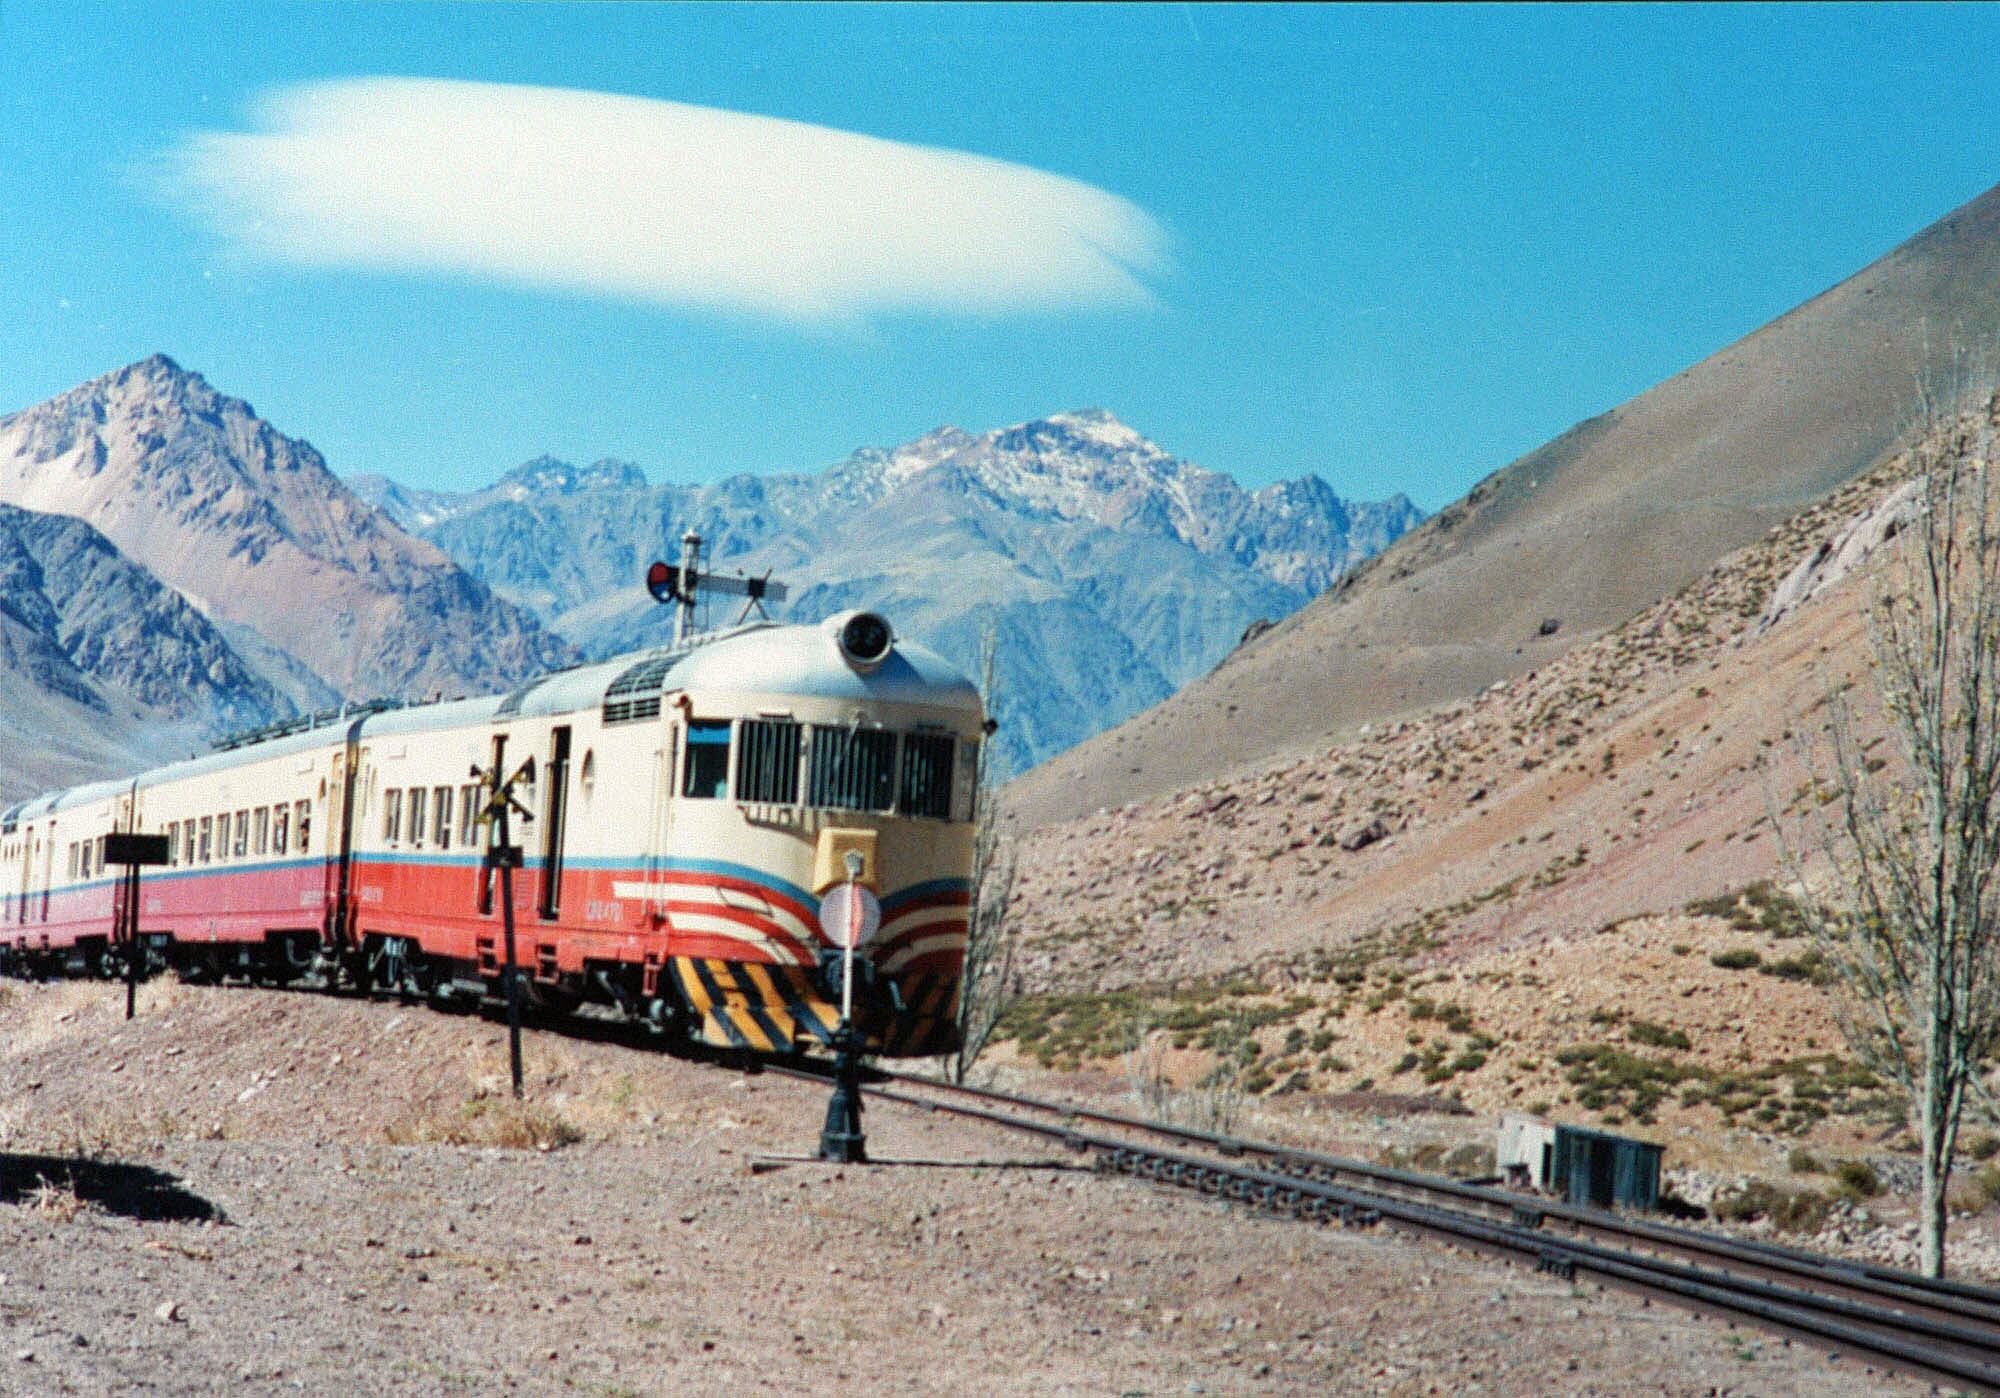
{"x": 776, "y": 1009}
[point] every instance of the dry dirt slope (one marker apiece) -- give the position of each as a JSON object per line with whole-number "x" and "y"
{"x": 248, "y": 1192}
{"x": 1622, "y": 778}
{"x": 1604, "y": 520}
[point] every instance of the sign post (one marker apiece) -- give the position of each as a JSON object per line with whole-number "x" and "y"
{"x": 134, "y": 851}
{"x": 850, "y": 915}
{"x": 505, "y": 856}
{"x": 668, "y": 583}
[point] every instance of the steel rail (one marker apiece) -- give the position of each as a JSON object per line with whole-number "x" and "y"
{"x": 1922, "y": 1346}
{"x": 1952, "y": 1300}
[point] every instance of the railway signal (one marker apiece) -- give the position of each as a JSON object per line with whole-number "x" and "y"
{"x": 502, "y": 854}
{"x": 850, "y": 915}
{"x": 134, "y": 851}
{"x": 677, "y": 586}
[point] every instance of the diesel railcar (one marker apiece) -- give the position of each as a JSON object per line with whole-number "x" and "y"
{"x": 690, "y": 806}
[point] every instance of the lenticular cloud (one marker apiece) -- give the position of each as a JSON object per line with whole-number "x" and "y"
{"x": 655, "y": 201}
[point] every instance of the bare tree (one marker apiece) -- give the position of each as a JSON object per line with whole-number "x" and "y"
{"x": 1902, "y": 899}
{"x": 989, "y": 932}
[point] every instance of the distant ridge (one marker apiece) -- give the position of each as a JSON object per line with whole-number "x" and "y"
{"x": 1110, "y": 570}
{"x": 101, "y": 666}
{"x": 316, "y": 588}
{"x": 1581, "y": 533}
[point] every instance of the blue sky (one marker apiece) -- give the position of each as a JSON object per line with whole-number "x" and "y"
{"x": 1396, "y": 247}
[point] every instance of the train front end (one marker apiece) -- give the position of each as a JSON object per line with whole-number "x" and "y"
{"x": 833, "y": 769}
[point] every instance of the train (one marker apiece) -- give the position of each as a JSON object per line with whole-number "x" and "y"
{"x": 687, "y": 807}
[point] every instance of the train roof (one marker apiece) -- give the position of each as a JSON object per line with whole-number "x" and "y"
{"x": 806, "y": 660}
{"x": 761, "y": 657}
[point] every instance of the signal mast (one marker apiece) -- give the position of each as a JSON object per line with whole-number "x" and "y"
{"x": 677, "y": 585}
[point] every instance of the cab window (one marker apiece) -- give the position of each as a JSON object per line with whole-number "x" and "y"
{"x": 705, "y": 773}
{"x": 926, "y": 782}
{"x": 853, "y": 768}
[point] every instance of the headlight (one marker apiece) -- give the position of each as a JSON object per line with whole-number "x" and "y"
{"x": 864, "y": 638}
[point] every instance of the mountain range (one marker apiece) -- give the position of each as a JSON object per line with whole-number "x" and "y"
{"x": 173, "y": 567}
{"x": 1109, "y": 571}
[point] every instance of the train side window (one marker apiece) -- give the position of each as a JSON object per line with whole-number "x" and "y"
{"x": 926, "y": 783}
{"x": 207, "y": 826}
{"x": 242, "y": 845}
{"x": 187, "y": 842}
{"x": 73, "y": 865}
{"x": 303, "y": 820}
{"x": 392, "y": 817}
{"x": 468, "y": 815}
{"x": 281, "y": 824}
{"x": 417, "y": 808}
{"x": 260, "y": 830}
{"x": 441, "y": 817}
{"x": 173, "y": 842}
{"x": 221, "y": 836}
{"x": 707, "y": 768}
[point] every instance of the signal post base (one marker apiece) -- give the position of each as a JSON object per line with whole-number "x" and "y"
{"x": 842, "y": 1138}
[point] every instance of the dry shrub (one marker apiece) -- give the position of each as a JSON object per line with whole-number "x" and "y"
{"x": 1792, "y": 1211}
{"x": 94, "y": 1134}
{"x": 1857, "y": 1179}
{"x": 57, "y": 1202}
{"x": 484, "y": 1120}
{"x": 1213, "y": 1103}
{"x": 1965, "y": 1196}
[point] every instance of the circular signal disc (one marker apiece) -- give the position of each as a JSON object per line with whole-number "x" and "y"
{"x": 842, "y": 904}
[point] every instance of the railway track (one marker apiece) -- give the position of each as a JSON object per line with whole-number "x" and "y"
{"x": 1945, "y": 1332}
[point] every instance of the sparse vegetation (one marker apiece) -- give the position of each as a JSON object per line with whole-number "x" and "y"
{"x": 56, "y": 1200}
{"x": 1644, "y": 1031}
{"x": 1906, "y": 909}
{"x": 483, "y": 1120}
{"x": 1857, "y": 1179}
{"x": 1758, "y": 907}
{"x": 1791, "y": 1211}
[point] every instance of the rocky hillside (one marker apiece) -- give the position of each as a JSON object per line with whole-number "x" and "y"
{"x": 1581, "y": 534}
{"x": 1564, "y": 893}
{"x": 101, "y": 666}
{"x": 1110, "y": 571}
{"x": 323, "y": 592}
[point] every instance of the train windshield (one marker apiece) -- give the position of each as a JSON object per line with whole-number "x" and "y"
{"x": 926, "y": 787}
{"x": 925, "y": 775}
{"x": 853, "y": 768}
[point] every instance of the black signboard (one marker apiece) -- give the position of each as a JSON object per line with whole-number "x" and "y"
{"x": 136, "y": 849}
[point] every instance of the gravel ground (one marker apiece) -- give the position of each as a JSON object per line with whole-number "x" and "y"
{"x": 211, "y": 1199}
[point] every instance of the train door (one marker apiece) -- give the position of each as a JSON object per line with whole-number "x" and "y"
{"x": 124, "y": 813}
{"x": 557, "y": 818}
{"x": 30, "y": 847}
{"x": 338, "y": 797}
{"x": 48, "y": 866}
{"x": 663, "y": 792}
